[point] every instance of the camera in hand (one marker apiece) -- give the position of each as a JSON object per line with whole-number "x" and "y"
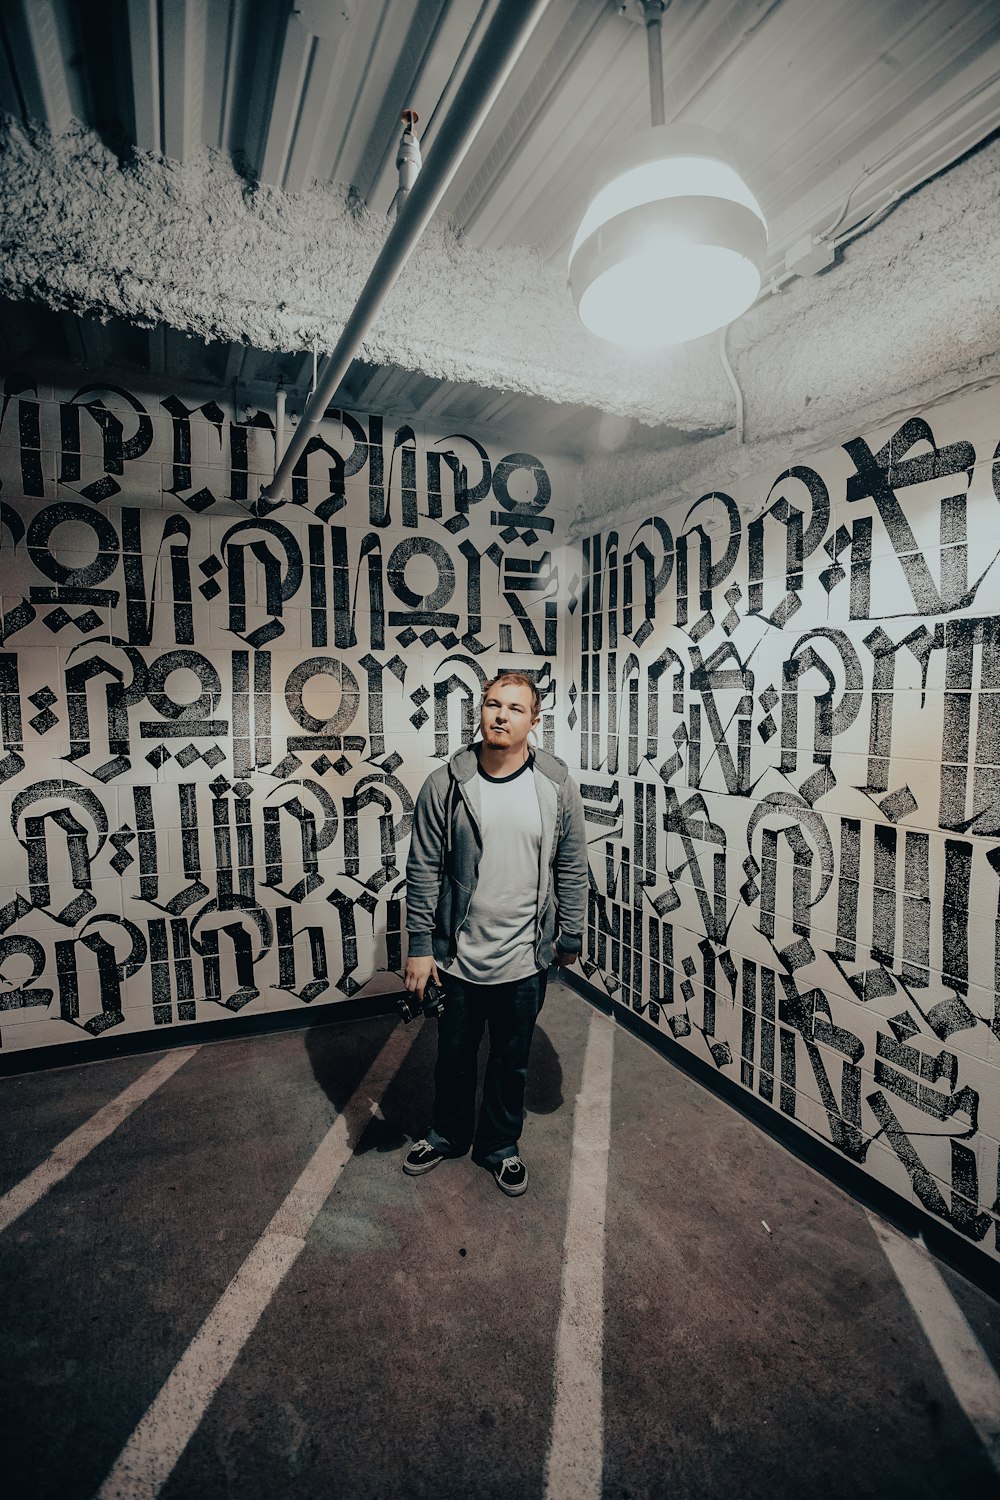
{"x": 410, "y": 1005}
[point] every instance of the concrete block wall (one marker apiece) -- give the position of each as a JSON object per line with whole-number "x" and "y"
{"x": 214, "y": 723}
{"x": 785, "y": 703}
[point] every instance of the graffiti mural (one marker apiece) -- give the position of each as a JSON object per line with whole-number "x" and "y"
{"x": 786, "y": 702}
{"x": 216, "y": 713}
{"x": 783, "y": 698}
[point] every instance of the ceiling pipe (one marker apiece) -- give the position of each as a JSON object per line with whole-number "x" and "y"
{"x": 279, "y": 418}
{"x": 502, "y": 45}
{"x": 652, "y": 11}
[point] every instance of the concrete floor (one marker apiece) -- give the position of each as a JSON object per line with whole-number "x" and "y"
{"x": 409, "y": 1350}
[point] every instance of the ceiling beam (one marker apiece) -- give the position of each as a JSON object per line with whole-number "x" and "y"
{"x": 439, "y": 33}
{"x": 37, "y": 58}
{"x": 297, "y": 51}
{"x": 302, "y": 380}
{"x": 235, "y": 359}
{"x": 73, "y": 328}
{"x": 318, "y": 99}
{"x": 342, "y": 39}
{"x": 183, "y": 63}
{"x": 156, "y": 350}
{"x": 144, "y": 50}
{"x": 224, "y": 25}
{"x": 514, "y": 174}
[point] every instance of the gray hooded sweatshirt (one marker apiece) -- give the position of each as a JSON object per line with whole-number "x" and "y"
{"x": 443, "y": 863}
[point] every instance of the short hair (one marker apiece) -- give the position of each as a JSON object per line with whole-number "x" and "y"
{"x": 521, "y": 679}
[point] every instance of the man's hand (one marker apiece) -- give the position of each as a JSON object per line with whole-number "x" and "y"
{"x": 417, "y": 973}
{"x": 564, "y": 960}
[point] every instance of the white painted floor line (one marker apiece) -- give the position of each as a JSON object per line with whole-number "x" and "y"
{"x": 149, "y": 1456}
{"x": 960, "y": 1354}
{"x": 576, "y": 1448}
{"x": 70, "y": 1152}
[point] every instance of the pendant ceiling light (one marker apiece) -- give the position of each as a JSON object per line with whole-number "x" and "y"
{"x": 673, "y": 242}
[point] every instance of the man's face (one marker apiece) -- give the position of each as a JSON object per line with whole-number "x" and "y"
{"x": 507, "y": 716}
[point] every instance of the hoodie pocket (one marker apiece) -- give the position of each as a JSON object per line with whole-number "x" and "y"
{"x": 452, "y": 903}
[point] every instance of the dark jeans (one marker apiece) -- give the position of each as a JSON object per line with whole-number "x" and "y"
{"x": 510, "y": 1011}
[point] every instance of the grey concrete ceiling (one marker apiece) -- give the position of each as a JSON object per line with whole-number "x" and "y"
{"x": 158, "y": 107}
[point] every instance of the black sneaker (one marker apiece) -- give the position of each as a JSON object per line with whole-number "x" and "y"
{"x": 421, "y": 1157}
{"x": 511, "y": 1176}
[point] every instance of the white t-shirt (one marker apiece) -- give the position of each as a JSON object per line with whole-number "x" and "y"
{"x": 496, "y": 942}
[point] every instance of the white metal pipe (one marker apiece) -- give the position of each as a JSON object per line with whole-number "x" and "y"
{"x": 279, "y": 420}
{"x": 503, "y": 43}
{"x": 653, "y": 15}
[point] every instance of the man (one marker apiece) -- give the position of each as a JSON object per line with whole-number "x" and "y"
{"x": 496, "y": 887}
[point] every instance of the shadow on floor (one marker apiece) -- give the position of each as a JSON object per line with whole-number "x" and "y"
{"x": 543, "y": 1094}
{"x": 401, "y": 1111}
{"x": 405, "y": 1111}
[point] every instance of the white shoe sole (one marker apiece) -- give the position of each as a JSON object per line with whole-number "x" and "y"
{"x": 418, "y": 1171}
{"x": 512, "y": 1192}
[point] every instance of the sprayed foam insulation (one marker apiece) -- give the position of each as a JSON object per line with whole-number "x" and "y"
{"x": 910, "y": 312}
{"x": 197, "y": 247}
